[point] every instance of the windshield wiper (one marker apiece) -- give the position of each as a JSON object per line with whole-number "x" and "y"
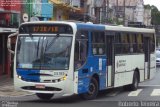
{"x": 38, "y": 47}
{"x": 51, "y": 43}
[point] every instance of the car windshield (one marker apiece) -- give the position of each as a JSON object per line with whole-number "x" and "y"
{"x": 44, "y": 52}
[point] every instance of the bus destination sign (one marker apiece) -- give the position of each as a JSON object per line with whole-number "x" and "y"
{"x": 43, "y": 29}
{"x": 46, "y": 28}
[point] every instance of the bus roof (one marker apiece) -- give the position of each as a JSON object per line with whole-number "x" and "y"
{"x": 129, "y": 29}
{"x": 96, "y": 26}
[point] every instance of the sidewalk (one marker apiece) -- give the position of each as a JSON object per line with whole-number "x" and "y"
{"x": 7, "y": 88}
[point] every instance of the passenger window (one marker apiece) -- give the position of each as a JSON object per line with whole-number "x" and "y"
{"x": 140, "y": 43}
{"x": 133, "y": 44}
{"x": 121, "y": 43}
{"x": 98, "y": 43}
{"x": 152, "y": 43}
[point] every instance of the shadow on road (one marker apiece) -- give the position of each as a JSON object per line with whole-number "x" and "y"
{"x": 64, "y": 100}
{"x": 78, "y": 99}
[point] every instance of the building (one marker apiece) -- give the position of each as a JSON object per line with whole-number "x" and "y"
{"x": 147, "y": 17}
{"x": 9, "y": 22}
{"x": 42, "y": 9}
{"x": 115, "y": 11}
{"x": 95, "y": 10}
{"x": 47, "y": 10}
{"x": 64, "y": 9}
{"x": 129, "y": 12}
{"x": 37, "y": 10}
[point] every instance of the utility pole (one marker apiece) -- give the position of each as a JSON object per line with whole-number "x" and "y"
{"x": 85, "y": 10}
{"x": 117, "y": 10}
{"x": 107, "y": 10}
{"x": 104, "y": 12}
{"x": 124, "y": 5}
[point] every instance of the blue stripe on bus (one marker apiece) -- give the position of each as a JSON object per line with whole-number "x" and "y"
{"x": 29, "y": 75}
{"x": 90, "y": 26}
{"x": 92, "y": 65}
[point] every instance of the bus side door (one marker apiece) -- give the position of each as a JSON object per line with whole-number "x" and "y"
{"x": 147, "y": 57}
{"x": 110, "y": 58}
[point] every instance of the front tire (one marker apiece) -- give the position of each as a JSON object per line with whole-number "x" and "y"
{"x": 44, "y": 96}
{"x": 92, "y": 90}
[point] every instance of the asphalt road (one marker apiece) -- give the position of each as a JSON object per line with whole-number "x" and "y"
{"x": 147, "y": 95}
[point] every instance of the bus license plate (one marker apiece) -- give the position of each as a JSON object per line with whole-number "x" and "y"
{"x": 40, "y": 86}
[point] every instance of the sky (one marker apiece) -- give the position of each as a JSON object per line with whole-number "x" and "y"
{"x": 153, "y": 2}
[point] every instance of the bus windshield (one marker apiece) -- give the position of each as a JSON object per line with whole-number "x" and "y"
{"x": 44, "y": 52}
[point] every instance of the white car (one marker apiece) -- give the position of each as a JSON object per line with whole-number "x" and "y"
{"x": 157, "y": 49}
{"x": 158, "y": 58}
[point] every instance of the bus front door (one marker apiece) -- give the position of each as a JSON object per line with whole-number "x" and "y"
{"x": 147, "y": 57}
{"x": 110, "y": 60}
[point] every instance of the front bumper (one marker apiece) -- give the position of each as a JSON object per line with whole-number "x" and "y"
{"x": 63, "y": 88}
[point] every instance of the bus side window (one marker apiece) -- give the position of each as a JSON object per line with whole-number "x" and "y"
{"x": 117, "y": 43}
{"x": 98, "y": 43}
{"x": 139, "y": 43}
{"x": 81, "y": 49}
{"x": 124, "y": 43}
{"x": 132, "y": 47}
{"x": 94, "y": 51}
{"x": 152, "y": 43}
{"x": 121, "y": 43}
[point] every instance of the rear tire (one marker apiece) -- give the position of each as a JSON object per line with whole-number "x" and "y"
{"x": 135, "y": 82}
{"x": 92, "y": 90}
{"x": 44, "y": 96}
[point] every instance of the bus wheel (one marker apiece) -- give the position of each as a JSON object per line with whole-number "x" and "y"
{"x": 135, "y": 82}
{"x": 92, "y": 90}
{"x": 44, "y": 96}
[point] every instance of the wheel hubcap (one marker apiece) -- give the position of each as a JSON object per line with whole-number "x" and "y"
{"x": 91, "y": 88}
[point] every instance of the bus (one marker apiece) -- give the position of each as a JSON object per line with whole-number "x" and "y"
{"x": 70, "y": 58}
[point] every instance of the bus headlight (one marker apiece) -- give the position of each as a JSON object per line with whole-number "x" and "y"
{"x": 64, "y": 78}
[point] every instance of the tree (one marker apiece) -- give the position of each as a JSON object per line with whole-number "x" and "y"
{"x": 155, "y": 14}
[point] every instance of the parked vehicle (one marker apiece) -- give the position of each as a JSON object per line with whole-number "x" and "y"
{"x": 157, "y": 49}
{"x": 157, "y": 57}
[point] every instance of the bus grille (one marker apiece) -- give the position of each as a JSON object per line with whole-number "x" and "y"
{"x": 45, "y": 81}
{"x": 45, "y": 89}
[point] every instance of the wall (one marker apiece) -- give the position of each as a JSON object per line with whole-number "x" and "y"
{"x": 9, "y": 13}
{"x": 147, "y": 17}
{"x": 139, "y": 12}
{"x": 9, "y": 22}
{"x": 76, "y": 3}
{"x": 47, "y": 10}
{"x": 36, "y": 8}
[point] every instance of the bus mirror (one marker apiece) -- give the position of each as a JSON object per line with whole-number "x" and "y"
{"x": 9, "y": 42}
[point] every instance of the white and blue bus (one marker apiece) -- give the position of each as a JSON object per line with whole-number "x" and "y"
{"x": 67, "y": 58}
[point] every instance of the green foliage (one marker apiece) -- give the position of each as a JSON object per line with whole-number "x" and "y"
{"x": 113, "y": 21}
{"x": 147, "y": 6}
{"x": 155, "y": 14}
{"x": 119, "y": 22}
